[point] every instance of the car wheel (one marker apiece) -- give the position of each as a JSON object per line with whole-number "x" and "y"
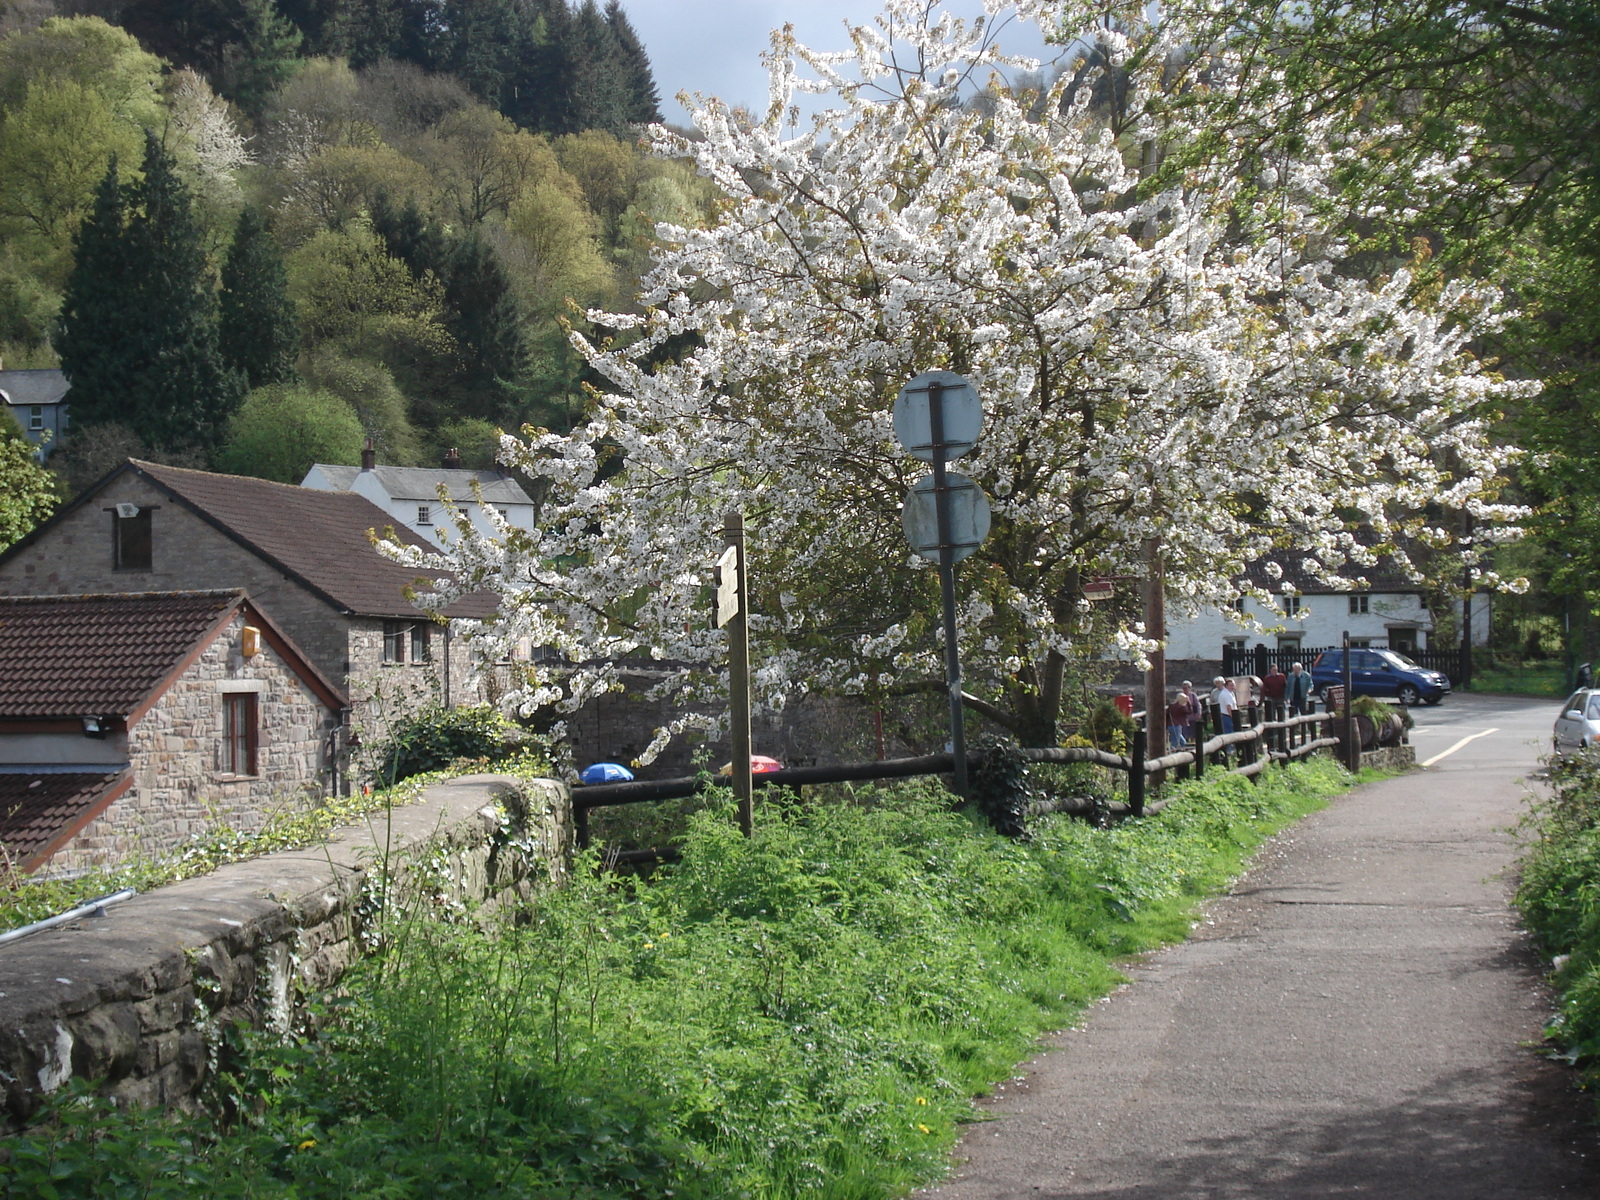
{"x": 1409, "y": 693}
{"x": 1431, "y": 700}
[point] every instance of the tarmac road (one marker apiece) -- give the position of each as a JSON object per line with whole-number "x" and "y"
{"x": 1353, "y": 1020}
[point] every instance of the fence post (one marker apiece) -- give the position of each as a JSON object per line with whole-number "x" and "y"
{"x": 580, "y": 818}
{"x": 1136, "y": 775}
{"x": 1200, "y": 743}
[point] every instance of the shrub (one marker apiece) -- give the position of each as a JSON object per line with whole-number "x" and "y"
{"x": 433, "y": 737}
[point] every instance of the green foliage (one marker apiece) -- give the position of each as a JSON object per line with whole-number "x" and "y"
{"x": 256, "y": 327}
{"x": 1559, "y": 895}
{"x": 805, "y": 1013}
{"x": 27, "y": 490}
{"x": 281, "y": 430}
{"x": 433, "y": 737}
{"x": 138, "y": 334}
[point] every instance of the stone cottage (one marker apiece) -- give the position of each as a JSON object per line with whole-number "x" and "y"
{"x": 129, "y": 722}
{"x": 305, "y": 558}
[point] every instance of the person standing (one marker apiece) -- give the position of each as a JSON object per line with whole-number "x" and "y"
{"x": 1180, "y": 717}
{"x": 1223, "y": 697}
{"x": 1298, "y": 689}
{"x": 1274, "y": 687}
{"x": 1194, "y": 710}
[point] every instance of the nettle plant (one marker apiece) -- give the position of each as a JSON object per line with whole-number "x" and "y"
{"x": 1184, "y": 359}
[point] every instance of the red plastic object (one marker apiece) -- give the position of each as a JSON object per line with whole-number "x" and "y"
{"x": 1124, "y": 705}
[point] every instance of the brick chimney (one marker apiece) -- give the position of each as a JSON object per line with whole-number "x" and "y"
{"x": 452, "y": 459}
{"x": 369, "y": 456}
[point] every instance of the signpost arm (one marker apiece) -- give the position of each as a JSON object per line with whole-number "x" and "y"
{"x": 947, "y": 589}
{"x": 739, "y": 676}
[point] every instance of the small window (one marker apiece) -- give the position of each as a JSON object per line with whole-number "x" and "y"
{"x": 1235, "y": 643}
{"x": 1238, "y": 605}
{"x": 421, "y": 642}
{"x": 1366, "y": 662}
{"x": 394, "y": 641}
{"x": 36, "y": 416}
{"x": 239, "y": 736}
{"x": 1291, "y": 605}
{"x": 132, "y": 539}
{"x": 424, "y": 514}
{"x": 1358, "y": 604}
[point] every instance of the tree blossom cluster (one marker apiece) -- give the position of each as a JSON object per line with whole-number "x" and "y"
{"x": 1184, "y": 360}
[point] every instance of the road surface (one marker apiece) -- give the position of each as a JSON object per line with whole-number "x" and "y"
{"x": 1353, "y": 1020}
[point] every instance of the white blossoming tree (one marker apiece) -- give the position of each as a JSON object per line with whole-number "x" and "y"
{"x": 1188, "y": 364}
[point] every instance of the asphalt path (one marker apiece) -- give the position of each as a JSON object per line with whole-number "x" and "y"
{"x": 1354, "y": 1019}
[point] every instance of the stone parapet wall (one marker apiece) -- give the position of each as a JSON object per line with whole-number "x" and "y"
{"x": 139, "y": 998}
{"x": 1390, "y": 758}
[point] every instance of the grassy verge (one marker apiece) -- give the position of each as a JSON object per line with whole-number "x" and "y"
{"x": 1559, "y": 895}
{"x": 808, "y": 1013}
{"x": 1530, "y": 679}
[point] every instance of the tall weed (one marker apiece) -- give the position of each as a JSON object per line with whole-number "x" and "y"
{"x": 807, "y": 1013}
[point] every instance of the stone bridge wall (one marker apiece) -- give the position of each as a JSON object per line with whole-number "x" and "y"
{"x": 140, "y": 997}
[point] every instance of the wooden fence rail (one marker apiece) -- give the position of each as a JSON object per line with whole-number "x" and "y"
{"x": 1261, "y": 739}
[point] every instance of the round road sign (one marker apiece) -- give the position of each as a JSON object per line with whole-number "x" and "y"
{"x": 969, "y": 517}
{"x": 959, "y": 404}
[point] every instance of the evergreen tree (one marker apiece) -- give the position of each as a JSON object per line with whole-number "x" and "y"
{"x": 642, "y": 101}
{"x": 262, "y": 53}
{"x": 138, "y": 333}
{"x": 256, "y": 323}
{"x": 411, "y": 236}
{"x": 93, "y": 333}
{"x": 488, "y": 327}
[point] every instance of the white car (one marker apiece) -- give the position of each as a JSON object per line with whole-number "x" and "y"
{"x": 1578, "y": 726}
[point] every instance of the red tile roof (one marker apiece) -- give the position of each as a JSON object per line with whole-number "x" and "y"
{"x": 320, "y": 538}
{"x": 39, "y": 811}
{"x": 75, "y": 656}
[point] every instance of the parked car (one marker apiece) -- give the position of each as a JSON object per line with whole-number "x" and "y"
{"x": 1380, "y": 673}
{"x": 1578, "y": 726}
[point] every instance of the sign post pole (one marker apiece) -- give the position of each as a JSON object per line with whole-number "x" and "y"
{"x": 738, "y": 627}
{"x": 947, "y": 590}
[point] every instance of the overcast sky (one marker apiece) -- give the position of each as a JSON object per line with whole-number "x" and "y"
{"x": 715, "y": 46}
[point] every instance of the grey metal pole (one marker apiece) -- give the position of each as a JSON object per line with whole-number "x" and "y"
{"x": 947, "y": 588}
{"x": 1352, "y": 752}
{"x": 739, "y": 679}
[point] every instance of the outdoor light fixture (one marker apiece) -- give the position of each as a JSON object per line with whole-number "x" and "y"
{"x": 94, "y": 727}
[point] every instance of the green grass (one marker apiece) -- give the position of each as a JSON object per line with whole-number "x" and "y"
{"x": 809, "y": 1013}
{"x": 1559, "y": 895}
{"x": 1529, "y": 679}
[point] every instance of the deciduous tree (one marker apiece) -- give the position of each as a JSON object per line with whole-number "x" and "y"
{"x": 1185, "y": 362}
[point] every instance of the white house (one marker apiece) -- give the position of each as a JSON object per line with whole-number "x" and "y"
{"x": 1384, "y": 610}
{"x": 410, "y": 495}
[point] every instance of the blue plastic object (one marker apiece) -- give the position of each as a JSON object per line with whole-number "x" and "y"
{"x": 605, "y": 773}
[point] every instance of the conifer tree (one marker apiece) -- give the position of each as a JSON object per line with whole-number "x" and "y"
{"x": 138, "y": 334}
{"x": 256, "y": 323}
{"x": 92, "y": 332}
{"x": 487, "y": 323}
{"x": 642, "y": 101}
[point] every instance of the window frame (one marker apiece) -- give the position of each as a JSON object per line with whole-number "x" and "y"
{"x": 241, "y": 733}
{"x": 421, "y": 640}
{"x": 394, "y": 643}
{"x": 424, "y": 514}
{"x": 35, "y": 418}
{"x": 125, "y": 536}
{"x": 1360, "y": 604}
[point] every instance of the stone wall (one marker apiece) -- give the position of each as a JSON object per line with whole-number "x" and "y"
{"x": 139, "y": 998}
{"x": 187, "y": 554}
{"x": 179, "y": 788}
{"x": 380, "y": 691}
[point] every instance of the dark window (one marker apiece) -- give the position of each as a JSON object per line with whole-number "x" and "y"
{"x": 424, "y": 515}
{"x": 1291, "y": 605}
{"x": 239, "y": 736}
{"x": 421, "y": 643}
{"x": 133, "y": 541}
{"x": 36, "y": 417}
{"x": 394, "y": 641}
{"x": 1358, "y": 604}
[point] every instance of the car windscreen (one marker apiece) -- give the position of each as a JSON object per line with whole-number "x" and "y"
{"x": 1399, "y": 659}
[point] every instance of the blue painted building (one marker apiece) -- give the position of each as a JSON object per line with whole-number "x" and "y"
{"x": 36, "y": 400}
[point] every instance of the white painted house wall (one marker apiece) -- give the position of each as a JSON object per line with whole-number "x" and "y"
{"x": 408, "y": 494}
{"x": 1321, "y": 620}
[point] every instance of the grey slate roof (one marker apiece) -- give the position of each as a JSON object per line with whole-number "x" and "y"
{"x": 44, "y": 386}
{"x": 422, "y": 483}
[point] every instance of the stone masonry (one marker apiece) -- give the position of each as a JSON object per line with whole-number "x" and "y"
{"x": 140, "y": 997}
{"x": 179, "y": 789}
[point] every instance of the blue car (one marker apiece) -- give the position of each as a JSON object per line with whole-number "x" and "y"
{"x": 1380, "y": 673}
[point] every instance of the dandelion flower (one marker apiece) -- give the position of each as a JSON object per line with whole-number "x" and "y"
{"x": 921, "y": 1128}
{"x": 923, "y": 1101}
{"x": 309, "y": 1144}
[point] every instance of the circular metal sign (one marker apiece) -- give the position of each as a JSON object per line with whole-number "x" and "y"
{"x": 969, "y": 517}
{"x": 959, "y": 405}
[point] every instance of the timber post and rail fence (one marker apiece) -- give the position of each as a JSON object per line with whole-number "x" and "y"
{"x": 1264, "y": 733}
